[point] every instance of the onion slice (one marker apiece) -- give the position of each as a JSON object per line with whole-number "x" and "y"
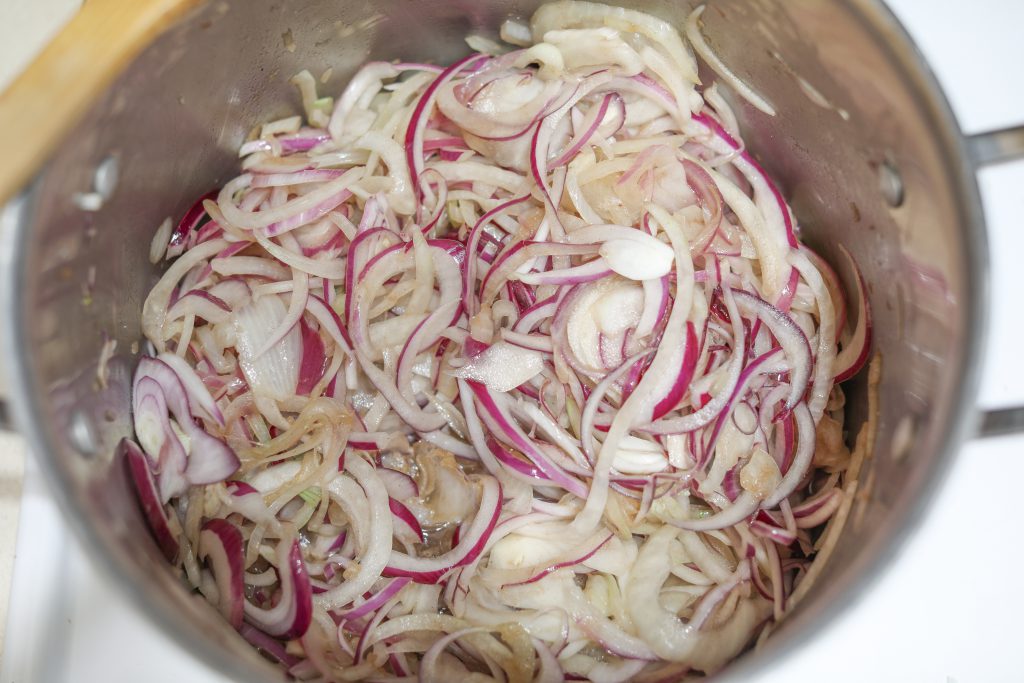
{"x": 145, "y": 487}
{"x": 855, "y": 352}
{"x": 292, "y": 615}
{"x": 471, "y": 542}
{"x": 220, "y": 544}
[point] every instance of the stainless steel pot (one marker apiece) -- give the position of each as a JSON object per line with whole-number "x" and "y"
{"x": 864, "y": 146}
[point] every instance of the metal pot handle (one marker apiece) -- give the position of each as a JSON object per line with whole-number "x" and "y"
{"x": 997, "y": 146}
{"x": 988, "y": 149}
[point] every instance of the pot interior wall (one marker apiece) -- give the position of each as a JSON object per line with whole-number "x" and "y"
{"x": 854, "y": 117}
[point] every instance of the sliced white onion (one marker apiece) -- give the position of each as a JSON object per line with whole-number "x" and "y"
{"x": 693, "y": 32}
{"x": 638, "y": 260}
{"x": 275, "y": 373}
{"x": 515, "y": 33}
{"x": 272, "y": 478}
{"x": 502, "y": 366}
{"x": 378, "y": 534}
{"x": 639, "y": 456}
{"x": 567, "y": 14}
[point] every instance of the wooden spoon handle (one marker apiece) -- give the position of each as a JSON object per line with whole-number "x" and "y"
{"x": 56, "y": 90}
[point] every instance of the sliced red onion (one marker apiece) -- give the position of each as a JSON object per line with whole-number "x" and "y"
{"x": 562, "y": 564}
{"x": 314, "y": 360}
{"x": 198, "y": 395}
{"x": 292, "y": 615}
{"x": 785, "y": 300}
{"x": 291, "y": 214}
{"x": 532, "y": 342}
{"x": 187, "y": 225}
{"x": 744, "y": 506}
{"x": 429, "y": 671}
{"x": 200, "y": 304}
{"x": 157, "y": 387}
{"x": 390, "y": 589}
{"x": 855, "y": 352}
{"x": 399, "y": 485}
{"x": 628, "y": 251}
{"x": 145, "y": 487}
{"x": 273, "y": 373}
{"x": 711, "y": 409}
{"x": 493, "y": 407}
{"x": 520, "y": 253}
{"x": 240, "y": 488}
{"x": 549, "y": 671}
{"x": 248, "y": 502}
{"x": 502, "y": 367}
{"x": 500, "y": 103}
{"x": 368, "y": 80}
{"x": 329, "y": 322}
{"x": 806, "y": 440}
{"x": 573, "y": 275}
{"x": 471, "y": 543}
{"x": 515, "y": 463}
{"x": 709, "y": 197}
{"x": 153, "y": 426}
{"x": 611, "y": 100}
{"x": 473, "y": 246}
{"x": 268, "y": 645}
{"x": 369, "y": 441}
{"x": 296, "y": 178}
{"x": 414, "y": 416}
{"x": 308, "y": 215}
{"x": 681, "y": 383}
{"x": 378, "y": 533}
{"x": 778, "y": 581}
{"x": 656, "y": 301}
{"x": 818, "y": 510}
{"x": 763, "y": 364}
{"x": 155, "y": 375}
{"x": 425, "y": 335}
{"x": 587, "y": 617}
{"x": 715, "y": 596}
{"x": 541, "y": 142}
{"x": 790, "y": 336}
{"x": 659, "y": 628}
{"x": 556, "y": 329}
{"x": 407, "y": 527}
{"x": 759, "y": 584}
{"x": 420, "y": 115}
{"x": 596, "y": 398}
{"x": 441, "y": 143}
{"x": 210, "y": 460}
{"x": 371, "y": 627}
{"x": 766, "y": 527}
{"x": 750, "y": 169}
{"x": 221, "y": 545}
{"x": 530, "y": 318}
{"x": 303, "y": 141}
{"x": 154, "y": 309}
{"x": 832, "y": 283}
{"x": 638, "y": 259}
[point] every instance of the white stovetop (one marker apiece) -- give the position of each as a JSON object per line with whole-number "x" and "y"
{"x": 947, "y": 612}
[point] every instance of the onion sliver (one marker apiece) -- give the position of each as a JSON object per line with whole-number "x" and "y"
{"x": 145, "y": 487}
{"x": 220, "y": 544}
{"x": 292, "y": 615}
{"x": 471, "y": 542}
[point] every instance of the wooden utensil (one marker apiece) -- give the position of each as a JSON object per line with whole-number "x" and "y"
{"x": 56, "y": 90}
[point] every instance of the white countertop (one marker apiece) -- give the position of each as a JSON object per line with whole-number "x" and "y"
{"x": 946, "y": 612}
